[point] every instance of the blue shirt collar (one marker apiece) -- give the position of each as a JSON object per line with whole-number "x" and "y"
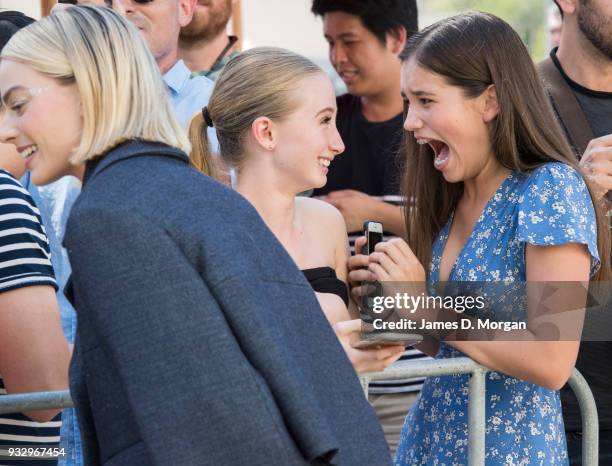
{"x": 176, "y": 77}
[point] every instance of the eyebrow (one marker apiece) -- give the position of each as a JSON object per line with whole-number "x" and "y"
{"x": 8, "y": 93}
{"x": 419, "y": 93}
{"x": 344, "y": 35}
{"x": 416, "y": 93}
{"x": 326, "y": 109}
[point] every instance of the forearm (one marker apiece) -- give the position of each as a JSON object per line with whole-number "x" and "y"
{"x": 49, "y": 373}
{"x": 528, "y": 354}
{"x": 392, "y": 218}
{"x": 34, "y": 354}
{"x": 541, "y": 362}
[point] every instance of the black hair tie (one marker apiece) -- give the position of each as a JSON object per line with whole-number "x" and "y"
{"x": 207, "y": 118}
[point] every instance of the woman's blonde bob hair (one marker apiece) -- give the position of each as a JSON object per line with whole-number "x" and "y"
{"x": 263, "y": 81}
{"x": 121, "y": 90}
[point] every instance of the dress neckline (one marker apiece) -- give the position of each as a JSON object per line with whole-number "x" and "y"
{"x": 493, "y": 200}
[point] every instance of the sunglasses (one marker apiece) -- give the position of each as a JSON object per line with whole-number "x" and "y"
{"x": 108, "y": 2}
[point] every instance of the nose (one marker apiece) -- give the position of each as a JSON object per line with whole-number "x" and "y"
{"x": 337, "y": 54}
{"x": 336, "y": 145}
{"x": 123, "y": 6}
{"x": 8, "y": 131}
{"x": 413, "y": 121}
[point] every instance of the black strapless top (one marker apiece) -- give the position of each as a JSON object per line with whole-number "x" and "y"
{"x": 324, "y": 280}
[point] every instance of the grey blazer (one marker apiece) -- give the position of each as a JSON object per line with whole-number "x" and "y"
{"x": 199, "y": 342}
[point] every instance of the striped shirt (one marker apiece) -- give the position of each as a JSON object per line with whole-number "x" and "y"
{"x": 413, "y": 384}
{"x": 25, "y": 260}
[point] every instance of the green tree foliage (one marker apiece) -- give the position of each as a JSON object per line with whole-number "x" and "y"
{"x": 527, "y": 17}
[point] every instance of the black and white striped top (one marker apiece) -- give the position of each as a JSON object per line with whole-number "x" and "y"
{"x": 402, "y": 385}
{"x": 25, "y": 260}
{"x": 25, "y": 257}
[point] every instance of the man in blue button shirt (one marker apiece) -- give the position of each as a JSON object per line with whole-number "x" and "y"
{"x": 160, "y": 22}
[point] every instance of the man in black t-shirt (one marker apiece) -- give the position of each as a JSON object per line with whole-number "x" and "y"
{"x": 578, "y": 76}
{"x": 365, "y": 39}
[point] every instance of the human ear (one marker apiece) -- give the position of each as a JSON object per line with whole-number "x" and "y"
{"x": 491, "y": 104}
{"x": 185, "y": 13}
{"x": 264, "y": 132}
{"x": 567, "y": 6}
{"x": 396, "y": 40}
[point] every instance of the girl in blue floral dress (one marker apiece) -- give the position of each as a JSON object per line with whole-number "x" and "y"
{"x": 498, "y": 198}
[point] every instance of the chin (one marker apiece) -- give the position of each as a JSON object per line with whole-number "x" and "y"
{"x": 319, "y": 183}
{"x": 355, "y": 89}
{"x": 42, "y": 179}
{"x": 451, "y": 177}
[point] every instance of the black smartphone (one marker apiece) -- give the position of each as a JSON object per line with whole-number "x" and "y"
{"x": 373, "y": 231}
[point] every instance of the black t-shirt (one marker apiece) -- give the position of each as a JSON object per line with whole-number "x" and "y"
{"x": 596, "y": 105}
{"x": 371, "y": 162}
{"x": 595, "y": 357}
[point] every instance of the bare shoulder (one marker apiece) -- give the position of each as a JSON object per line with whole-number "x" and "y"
{"x": 322, "y": 212}
{"x": 325, "y": 226}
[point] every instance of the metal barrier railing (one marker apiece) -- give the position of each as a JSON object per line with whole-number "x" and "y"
{"x": 429, "y": 368}
{"x": 476, "y": 401}
{"x": 21, "y": 402}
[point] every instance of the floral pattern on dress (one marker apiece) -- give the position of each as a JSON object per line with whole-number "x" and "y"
{"x": 524, "y": 426}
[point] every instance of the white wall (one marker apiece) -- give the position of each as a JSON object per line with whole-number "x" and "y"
{"x": 283, "y": 23}
{"x": 29, "y": 7}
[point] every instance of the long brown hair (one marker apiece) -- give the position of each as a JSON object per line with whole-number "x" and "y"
{"x": 473, "y": 51}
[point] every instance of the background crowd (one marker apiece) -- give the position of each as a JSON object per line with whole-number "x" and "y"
{"x": 195, "y": 208}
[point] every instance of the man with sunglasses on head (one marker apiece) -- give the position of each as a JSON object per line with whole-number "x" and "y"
{"x": 160, "y": 23}
{"x": 64, "y": 3}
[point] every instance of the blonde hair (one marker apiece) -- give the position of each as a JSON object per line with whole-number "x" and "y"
{"x": 259, "y": 82}
{"x": 121, "y": 90}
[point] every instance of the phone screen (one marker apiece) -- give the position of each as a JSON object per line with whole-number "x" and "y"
{"x": 374, "y": 234}
{"x": 373, "y": 239}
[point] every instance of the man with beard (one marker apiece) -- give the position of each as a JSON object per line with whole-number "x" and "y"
{"x": 578, "y": 76}
{"x": 204, "y": 44}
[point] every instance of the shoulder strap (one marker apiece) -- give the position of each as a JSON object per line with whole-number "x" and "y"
{"x": 565, "y": 104}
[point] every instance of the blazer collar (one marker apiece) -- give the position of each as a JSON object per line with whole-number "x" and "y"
{"x": 129, "y": 149}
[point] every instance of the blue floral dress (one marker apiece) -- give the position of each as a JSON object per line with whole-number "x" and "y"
{"x": 524, "y": 425}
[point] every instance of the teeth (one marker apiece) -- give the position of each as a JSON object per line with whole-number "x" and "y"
{"x": 324, "y": 162}
{"x": 422, "y": 141}
{"x": 29, "y": 151}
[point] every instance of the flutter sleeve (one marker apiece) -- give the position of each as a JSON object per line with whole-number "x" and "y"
{"x": 556, "y": 208}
